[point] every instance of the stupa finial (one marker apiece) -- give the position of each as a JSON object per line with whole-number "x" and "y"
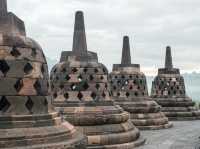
{"x": 10, "y": 24}
{"x": 168, "y": 58}
{"x": 79, "y": 40}
{"x": 126, "y": 55}
{"x": 3, "y": 7}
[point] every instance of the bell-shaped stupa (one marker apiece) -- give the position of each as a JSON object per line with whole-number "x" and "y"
{"x": 129, "y": 88}
{"x": 27, "y": 119}
{"x": 81, "y": 94}
{"x": 168, "y": 89}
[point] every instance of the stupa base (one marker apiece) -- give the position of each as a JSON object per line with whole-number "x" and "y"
{"x": 179, "y": 109}
{"x": 129, "y": 145}
{"x": 146, "y": 115}
{"x": 107, "y": 127}
{"x": 24, "y": 132}
{"x": 183, "y": 116}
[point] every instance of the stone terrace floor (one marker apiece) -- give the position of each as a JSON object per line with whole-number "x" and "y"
{"x": 184, "y": 135}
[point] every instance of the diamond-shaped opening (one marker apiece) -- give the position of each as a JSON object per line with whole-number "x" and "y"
{"x": 80, "y": 78}
{"x": 4, "y": 104}
{"x": 64, "y": 70}
{"x": 28, "y": 68}
{"x": 104, "y": 70}
{"x": 34, "y": 52}
{"x": 136, "y": 94}
{"x": 116, "y": 77}
{"x": 127, "y": 94}
{"x": 118, "y": 82}
{"x": 55, "y": 70}
{"x": 131, "y": 87}
{"x": 106, "y": 86}
{"x": 93, "y": 95}
{"x": 85, "y": 70}
{"x": 45, "y": 102}
{"x": 29, "y": 104}
{"x": 114, "y": 87}
{"x": 57, "y": 78}
{"x": 37, "y": 86}
{"x": 74, "y": 70}
{"x": 15, "y": 52}
{"x": 4, "y": 68}
{"x": 66, "y": 95}
{"x": 118, "y": 94}
{"x": 42, "y": 69}
{"x": 130, "y": 77}
{"x": 91, "y": 77}
{"x": 67, "y": 77}
{"x": 80, "y": 96}
{"x": 18, "y": 85}
{"x": 101, "y": 77}
{"x": 73, "y": 87}
{"x": 123, "y": 76}
{"x": 104, "y": 95}
{"x": 85, "y": 86}
{"x": 96, "y": 70}
{"x": 97, "y": 86}
{"x": 55, "y": 95}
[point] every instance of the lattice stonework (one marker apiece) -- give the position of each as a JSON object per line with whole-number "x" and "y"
{"x": 82, "y": 95}
{"x": 168, "y": 89}
{"x": 129, "y": 88}
{"x": 27, "y": 119}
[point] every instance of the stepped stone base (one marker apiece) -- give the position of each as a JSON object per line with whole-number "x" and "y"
{"x": 145, "y": 113}
{"x": 106, "y": 127}
{"x": 39, "y": 132}
{"x": 179, "y": 108}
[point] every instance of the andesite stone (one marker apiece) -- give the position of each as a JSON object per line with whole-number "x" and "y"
{"x": 81, "y": 94}
{"x": 129, "y": 88}
{"x": 27, "y": 118}
{"x": 168, "y": 89}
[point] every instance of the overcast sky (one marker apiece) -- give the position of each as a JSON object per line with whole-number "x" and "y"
{"x": 151, "y": 26}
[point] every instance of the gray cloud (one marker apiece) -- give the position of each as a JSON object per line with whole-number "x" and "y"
{"x": 151, "y": 25}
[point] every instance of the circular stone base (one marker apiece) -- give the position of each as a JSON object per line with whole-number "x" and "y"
{"x": 165, "y": 126}
{"x": 24, "y": 132}
{"x": 183, "y": 116}
{"x": 129, "y": 145}
{"x": 107, "y": 127}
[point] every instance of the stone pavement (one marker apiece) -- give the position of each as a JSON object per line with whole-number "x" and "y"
{"x": 184, "y": 135}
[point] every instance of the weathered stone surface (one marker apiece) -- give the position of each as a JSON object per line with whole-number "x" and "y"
{"x": 168, "y": 89}
{"x": 27, "y": 119}
{"x": 81, "y": 94}
{"x": 129, "y": 88}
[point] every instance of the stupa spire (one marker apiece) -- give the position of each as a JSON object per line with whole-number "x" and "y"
{"x": 126, "y": 54}
{"x": 79, "y": 39}
{"x": 168, "y": 58}
{"x": 3, "y": 7}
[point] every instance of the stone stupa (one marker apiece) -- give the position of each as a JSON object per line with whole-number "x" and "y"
{"x": 168, "y": 89}
{"x": 81, "y": 94}
{"x": 27, "y": 119}
{"x": 129, "y": 88}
